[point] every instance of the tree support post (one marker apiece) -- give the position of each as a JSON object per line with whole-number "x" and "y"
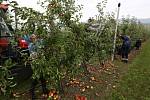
{"x": 115, "y": 36}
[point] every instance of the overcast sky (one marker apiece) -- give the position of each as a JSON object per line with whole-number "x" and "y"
{"x": 137, "y": 8}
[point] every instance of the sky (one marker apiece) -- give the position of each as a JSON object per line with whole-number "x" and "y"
{"x": 137, "y": 8}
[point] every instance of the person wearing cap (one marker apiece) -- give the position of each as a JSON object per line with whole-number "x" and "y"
{"x": 4, "y": 41}
{"x": 3, "y": 6}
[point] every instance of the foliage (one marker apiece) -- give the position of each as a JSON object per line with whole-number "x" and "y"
{"x": 133, "y": 28}
{"x": 66, "y": 44}
{"x": 60, "y": 54}
{"x": 6, "y": 80}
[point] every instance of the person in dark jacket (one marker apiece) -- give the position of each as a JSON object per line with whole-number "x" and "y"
{"x": 125, "y": 47}
{"x": 138, "y": 44}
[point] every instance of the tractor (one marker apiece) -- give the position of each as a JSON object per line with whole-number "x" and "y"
{"x": 8, "y": 50}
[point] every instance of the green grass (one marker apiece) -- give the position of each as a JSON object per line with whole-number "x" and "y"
{"x": 135, "y": 84}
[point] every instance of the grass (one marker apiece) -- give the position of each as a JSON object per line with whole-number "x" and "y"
{"x": 135, "y": 84}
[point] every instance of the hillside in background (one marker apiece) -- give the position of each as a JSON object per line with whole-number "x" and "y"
{"x": 145, "y": 21}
